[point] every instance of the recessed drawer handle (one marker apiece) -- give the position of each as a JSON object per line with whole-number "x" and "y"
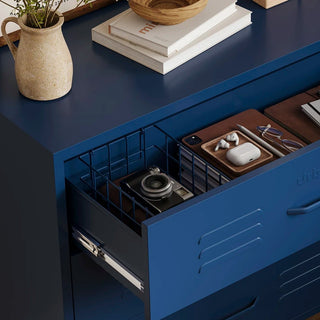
{"x": 243, "y": 310}
{"x": 304, "y": 210}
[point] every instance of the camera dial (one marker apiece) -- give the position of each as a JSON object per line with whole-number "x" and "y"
{"x": 156, "y": 185}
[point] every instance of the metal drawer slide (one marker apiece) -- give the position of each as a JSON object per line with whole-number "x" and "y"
{"x": 95, "y": 248}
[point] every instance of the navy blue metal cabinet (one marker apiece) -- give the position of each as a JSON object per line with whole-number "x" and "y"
{"x": 266, "y": 263}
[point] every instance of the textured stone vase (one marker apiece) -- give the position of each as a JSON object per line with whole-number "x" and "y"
{"x": 43, "y": 63}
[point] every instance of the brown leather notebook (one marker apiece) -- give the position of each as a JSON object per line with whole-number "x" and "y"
{"x": 250, "y": 119}
{"x": 288, "y": 114}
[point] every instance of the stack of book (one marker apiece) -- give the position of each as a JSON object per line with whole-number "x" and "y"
{"x": 163, "y": 48}
{"x": 312, "y": 110}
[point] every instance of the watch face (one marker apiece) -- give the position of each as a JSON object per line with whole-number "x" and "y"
{"x": 193, "y": 140}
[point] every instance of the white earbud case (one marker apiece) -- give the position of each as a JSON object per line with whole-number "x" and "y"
{"x": 243, "y": 154}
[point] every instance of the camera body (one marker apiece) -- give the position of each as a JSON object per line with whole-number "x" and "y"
{"x": 155, "y": 190}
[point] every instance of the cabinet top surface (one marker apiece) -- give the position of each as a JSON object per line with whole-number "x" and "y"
{"x": 109, "y": 90}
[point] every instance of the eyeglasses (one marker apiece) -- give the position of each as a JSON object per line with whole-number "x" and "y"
{"x": 271, "y": 134}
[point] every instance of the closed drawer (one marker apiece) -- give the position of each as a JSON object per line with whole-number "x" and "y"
{"x": 286, "y": 290}
{"x": 299, "y": 284}
{"x": 192, "y": 250}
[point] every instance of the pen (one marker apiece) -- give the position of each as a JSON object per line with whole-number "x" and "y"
{"x": 261, "y": 141}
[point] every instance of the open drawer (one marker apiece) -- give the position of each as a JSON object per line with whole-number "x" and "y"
{"x": 106, "y": 220}
{"x": 177, "y": 257}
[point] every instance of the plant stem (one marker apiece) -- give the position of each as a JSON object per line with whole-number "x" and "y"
{"x": 9, "y": 5}
{"x": 35, "y": 20}
{"x": 47, "y": 12}
{"x": 79, "y": 3}
{"x": 50, "y": 11}
{"x": 56, "y": 9}
{"x": 40, "y": 13}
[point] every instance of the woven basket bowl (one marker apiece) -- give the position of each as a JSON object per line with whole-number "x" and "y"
{"x": 167, "y": 12}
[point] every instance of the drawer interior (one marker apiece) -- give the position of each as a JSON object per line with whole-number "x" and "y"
{"x": 101, "y": 170}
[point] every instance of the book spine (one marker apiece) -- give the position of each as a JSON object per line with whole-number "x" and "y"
{"x": 116, "y": 46}
{"x": 136, "y": 40}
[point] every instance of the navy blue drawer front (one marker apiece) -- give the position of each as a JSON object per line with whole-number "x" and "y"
{"x": 232, "y": 232}
{"x": 263, "y": 295}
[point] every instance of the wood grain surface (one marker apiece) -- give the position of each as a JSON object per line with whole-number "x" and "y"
{"x": 69, "y": 15}
{"x": 14, "y": 36}
{"x": 165, "y": 12}
{"x": 90, "y": 7}
{"x": 315, "y": 317}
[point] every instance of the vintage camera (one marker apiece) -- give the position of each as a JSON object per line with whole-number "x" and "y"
{"x": 155, "y": 190}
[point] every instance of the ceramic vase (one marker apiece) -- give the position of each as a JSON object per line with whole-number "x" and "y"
{"x": 43, "y": 64}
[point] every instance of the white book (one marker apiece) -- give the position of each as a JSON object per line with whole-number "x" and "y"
{"x": 312, "y": 110}
{"x": 155, "y": 61}
{"x": 168, "y": 39}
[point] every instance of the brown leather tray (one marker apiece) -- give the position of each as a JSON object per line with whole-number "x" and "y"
{"x": 220, "y": 155}
{"x": 250, "y": 119}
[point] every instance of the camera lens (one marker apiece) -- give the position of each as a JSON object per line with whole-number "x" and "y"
{"x": 156, "y": 181}
{"x": 156, "y": 186}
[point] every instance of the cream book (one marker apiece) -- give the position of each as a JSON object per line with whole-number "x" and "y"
{"x": 168, "y": 39}
{"x": 155, "y": 61}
